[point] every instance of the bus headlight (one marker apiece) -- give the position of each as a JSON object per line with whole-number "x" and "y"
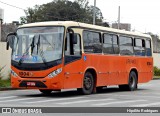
{"x": 13, "y": 73}
{"x": 55, "y": 73}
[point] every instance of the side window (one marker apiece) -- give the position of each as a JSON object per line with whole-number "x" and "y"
{"x": 67, "y": 45}
{"x": 139, "y": 47}
{"x": 126, "y": 45}
{"x": 92, "y": 42}
{"x": 110, "y": 45}
{"x": 148, "y": 48}
{"x": 75, "y": 47}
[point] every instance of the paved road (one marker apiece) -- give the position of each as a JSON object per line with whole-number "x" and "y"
{"x": 147, "y": 95}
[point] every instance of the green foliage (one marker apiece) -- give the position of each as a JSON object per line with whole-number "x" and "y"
{"x": 156, "y": 71}
{"x": 5, "y": 83}
{"x": 61, "y": 10}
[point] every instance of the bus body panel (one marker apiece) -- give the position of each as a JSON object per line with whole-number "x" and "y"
{"x": 111, "y": 70}
{"x": 114, "y": 70}
{"x": 73, "y": 74}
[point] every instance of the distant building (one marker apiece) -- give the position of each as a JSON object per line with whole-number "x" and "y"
{"x": 7, "y": 28}
{"x": 122, "y": 26}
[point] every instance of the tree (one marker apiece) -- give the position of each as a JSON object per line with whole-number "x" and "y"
{"x": 62, "y": 10}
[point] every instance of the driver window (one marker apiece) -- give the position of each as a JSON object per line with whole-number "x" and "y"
{"x": 76, "y": 49}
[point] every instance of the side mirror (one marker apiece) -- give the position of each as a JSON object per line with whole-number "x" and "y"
{"x": 10, "y": 40}
{"x": 75, "y": 39}
{"x": 72, "y": 35}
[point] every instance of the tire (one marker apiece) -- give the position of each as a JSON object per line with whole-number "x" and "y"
{"x": 45, "y": 91}
{"x": 88, "y": 84}
{"x": 132, "y": 82}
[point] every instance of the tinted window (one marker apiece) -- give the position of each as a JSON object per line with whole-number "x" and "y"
{"x": 148, "y": 48}
{"x": 75, "y": 47}
{"x": 125, "y": 41}
{"x": 138, "y": 42}
{"x": 139, "y": 48}
{"x": 110, "y": 45}
{"x": 126, "y": 47}
{"x": 92, "y": 42}
{"x": 148, "y": 44}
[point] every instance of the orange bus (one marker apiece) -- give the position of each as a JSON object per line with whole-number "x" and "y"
{"x": 51, "y": 56}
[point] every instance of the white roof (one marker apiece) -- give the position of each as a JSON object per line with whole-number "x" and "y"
{"x": 76, "y": 24}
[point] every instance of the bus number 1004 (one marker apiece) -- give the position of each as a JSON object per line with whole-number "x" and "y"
{"x": 24, "y": 74}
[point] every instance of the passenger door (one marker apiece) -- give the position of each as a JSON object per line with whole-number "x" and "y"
{"x": 73, "y": 62}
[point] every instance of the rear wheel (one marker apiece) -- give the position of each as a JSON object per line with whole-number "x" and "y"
{"x": 88, "y": 84}
{"x": 45, "y": 91}
{"x": 132, "y": 83}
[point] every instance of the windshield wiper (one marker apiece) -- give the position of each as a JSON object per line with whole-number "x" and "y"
{"x": 32, "y": 45}
{"x": 27, "y": 51}
{"x": 43, "y": 58}
{"x": 41, "y": 52}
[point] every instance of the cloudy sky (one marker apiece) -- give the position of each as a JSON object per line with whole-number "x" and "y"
{"x": 144, "y": 15}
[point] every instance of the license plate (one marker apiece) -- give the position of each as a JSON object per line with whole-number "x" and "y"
{"x": 31, "y": 83}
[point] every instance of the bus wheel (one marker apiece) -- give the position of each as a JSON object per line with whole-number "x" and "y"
{"x": 88, "y": 84}
{"x": 45, "y": 91}
{"x": 132, "y": 84}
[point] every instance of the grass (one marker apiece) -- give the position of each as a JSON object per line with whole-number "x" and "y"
{"x": 5, "y": 83}
{"x": 156, "y": 77}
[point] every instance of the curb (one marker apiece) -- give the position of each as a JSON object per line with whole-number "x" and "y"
{"x": 8, "y": 88}
{"x": 155, "y": 78}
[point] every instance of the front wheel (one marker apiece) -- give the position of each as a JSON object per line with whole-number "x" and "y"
{"x": 88, "y": 84}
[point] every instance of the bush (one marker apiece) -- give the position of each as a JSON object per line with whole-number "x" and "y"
{"x": 5, "y": 83}
{"x": 156, "y": 71}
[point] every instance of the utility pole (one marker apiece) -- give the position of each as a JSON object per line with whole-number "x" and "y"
{"x": 94, "y": 13}
{"x": 119, "y": 17}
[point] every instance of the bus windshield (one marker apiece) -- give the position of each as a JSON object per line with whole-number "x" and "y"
{"x": 38, "y": 44}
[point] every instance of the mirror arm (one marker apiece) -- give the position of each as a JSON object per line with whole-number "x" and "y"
{"x": 7, "y": 41}
{"x": 12, "y": 34}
